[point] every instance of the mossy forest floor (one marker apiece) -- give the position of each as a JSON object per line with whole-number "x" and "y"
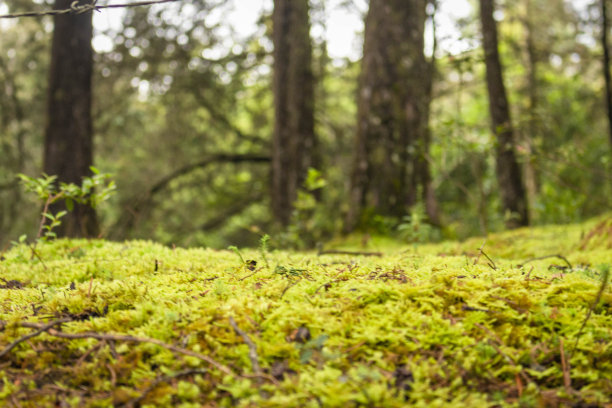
{"x": 95, "y": 323}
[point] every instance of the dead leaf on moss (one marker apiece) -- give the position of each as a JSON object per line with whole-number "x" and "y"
{"x": 12, "y": 284}
{"x": 299, "y": 335}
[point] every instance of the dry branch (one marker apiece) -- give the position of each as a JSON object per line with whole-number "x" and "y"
{"x": 538, "y": 258}
{"x": 48, "y": 328}
{"x": 40, "y": 328}
{"x": 491, "y": 263}
{"x": 339, "y": 252}
{"x": 144, "y": 202}
{"x": 217, "y": 158}
{"x": 219, "y": 219}
{"x": 136, "y": 401}
{"x": 289, "y": 286}
{"x": 602, "y": 288}
{"x": 75, "y": 8}
{"x": 567, "y": 379}
{"x": 495, "y": 342}
{"x": 252, "y": 347}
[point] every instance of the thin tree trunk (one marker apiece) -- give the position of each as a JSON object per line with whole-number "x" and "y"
{"x": 68, "y": 134}
{"x": 368, "y": 120}
{"x": 606, "y": 62}
{"x": 294, "y": 139}
{"x": 14, "y": 200}
{"x": 530, "y": 170}
{"x": 429, "y": 197}
{"x": 12, "y": 89}
{"x": 507, "y": 169}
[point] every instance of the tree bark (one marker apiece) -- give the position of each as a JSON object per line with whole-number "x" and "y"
{"x": 294, "y": 142}
{"x": 429, "y": 198}
{"x": 530, "y": 170}
{"x": 68, "y": 134}
{"x": 393, "y": 105}
{"x": 605, "y": 27}
{"x": 508, "y": 171}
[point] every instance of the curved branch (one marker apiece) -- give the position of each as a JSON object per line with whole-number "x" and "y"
{"x": 218, "y": 158}
{"x": 218, "y": 220}
{"x": 219, "y": 117}
{"x": 48, "y": 328}
{"x": 142, "y": 203}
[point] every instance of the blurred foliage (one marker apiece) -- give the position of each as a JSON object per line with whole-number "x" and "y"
{"x": 177, "y": 85}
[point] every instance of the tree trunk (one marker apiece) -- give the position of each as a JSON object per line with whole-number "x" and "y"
{"x": 392, "y": 111}
{"x": 68, "y": 134}
{"x": 507, "y": 169}
{"x": 294, "y": 140}
{"x": 606, "y": 62}
{"x": 429, "y": 198}
{"x": 530, "y": 171}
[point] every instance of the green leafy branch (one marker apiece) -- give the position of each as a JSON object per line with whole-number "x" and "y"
{"x": 92, "y": 191}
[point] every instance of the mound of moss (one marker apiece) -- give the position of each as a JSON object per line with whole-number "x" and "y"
{"x": 475, "y": 324}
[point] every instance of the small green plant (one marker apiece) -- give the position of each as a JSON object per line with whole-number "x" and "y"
{"x": 311, "y": 348}
{"x": 264, "y": 249}
{"x": 288, "y": 272}
{"x": 92, "y": 191}
{"x": 308, "y": 218}
{"x": 235, "y": 249}
{"x": 414, "y": 228}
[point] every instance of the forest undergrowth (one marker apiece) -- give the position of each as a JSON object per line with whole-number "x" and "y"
{"x": 521, "y": 319}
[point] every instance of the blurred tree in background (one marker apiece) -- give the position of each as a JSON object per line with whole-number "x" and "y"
{"x": 294, "y": 143}
{"x": 68, "y": 146}
{"x": 393, "y": 113}
{"x": 507, "y": 169}
{"x": 184, "y": 116}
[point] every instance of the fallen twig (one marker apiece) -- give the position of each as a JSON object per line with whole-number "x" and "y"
{"x": 519, "y": 384}
{"x": 36, "y": 255}
{"x": 48, "y": 328}
{"x": 250, "y": 274}
{"x": 289, "y": 286}
{"x": 15, "y": 401}
{"x": 538, "y": 258}
{"x": 128, "y": 338}
{"x": 602, "y": 288}
{"x": 515, "y": 305}
{"x": 469, "y": 308}
{"x": 567, "y": 380}
{"x": 495, "y": 342}
{"x": 252, "y": 347}
{"x": 491, "y": 263}
{"x": 160, "y": 380}
{"x": 339, "y": 252}
{"x": 113, "y": 375}
{"x": 89, "y": 352}
{"x": 40, "y": 328}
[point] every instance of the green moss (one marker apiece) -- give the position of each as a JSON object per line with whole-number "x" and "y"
{"x": 424, "y": 325}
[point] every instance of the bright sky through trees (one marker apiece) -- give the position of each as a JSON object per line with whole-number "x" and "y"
{"x": 343, "y": 24}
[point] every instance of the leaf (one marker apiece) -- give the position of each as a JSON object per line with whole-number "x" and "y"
{"x": 319, "y": 341}
{"x": 314, "y": 180}
{"x": 306, "y": 356}
{"x": 69, "y": 204}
